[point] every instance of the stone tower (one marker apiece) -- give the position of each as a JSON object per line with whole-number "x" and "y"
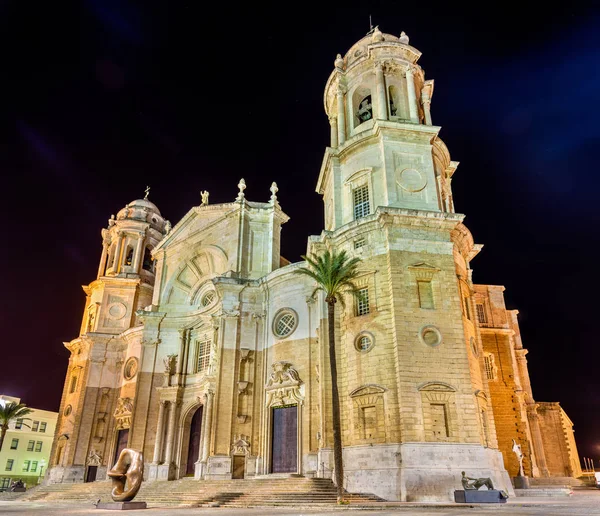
{"x": 92, "y": 394}
{"x": 417, "y": 396}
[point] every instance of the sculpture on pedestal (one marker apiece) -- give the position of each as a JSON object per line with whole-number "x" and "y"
{"x": 475, "y": 483}
{"x": 127, "y": 475}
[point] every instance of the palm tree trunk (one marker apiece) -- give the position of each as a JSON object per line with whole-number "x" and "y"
{"x": 2, "y": 434}
{"x": 335, "y": 404}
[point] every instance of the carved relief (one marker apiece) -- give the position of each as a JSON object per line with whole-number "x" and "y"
{"x": 123, "y": 413}
{"x": 241, "y": 445}
{"x": 94, "y": 458}
{"x": 284, "y": 386}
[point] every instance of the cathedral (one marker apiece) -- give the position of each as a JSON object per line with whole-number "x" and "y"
{"x": 202, "y": 347}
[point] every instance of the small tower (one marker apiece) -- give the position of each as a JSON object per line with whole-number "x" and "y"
{"x": 384, "y": 149}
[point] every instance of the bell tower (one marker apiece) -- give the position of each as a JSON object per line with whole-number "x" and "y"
{"x": 384, "y": 150}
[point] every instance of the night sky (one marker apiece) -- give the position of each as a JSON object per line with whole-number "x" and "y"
{"x": 101, "y": 98}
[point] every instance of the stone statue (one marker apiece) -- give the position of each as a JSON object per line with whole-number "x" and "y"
{"x": 204, "y": 195}
{"x": 274, "y": 191}
{"x": 403, "y": 38}
{"x": 242, "y": 186}
{"x": 168, "y": 227}
{"x": 170, "y": 362}
{"x": 111, "y": 221}
{"x": 469, "y": 483}
{"x": 127, "y": 475}
{"x": 516, "y": 448}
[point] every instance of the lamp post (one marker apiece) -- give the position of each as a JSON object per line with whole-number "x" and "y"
{"x": 42, "y": 464}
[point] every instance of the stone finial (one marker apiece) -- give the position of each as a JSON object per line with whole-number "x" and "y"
{"x": 403, "y": 38}
{"x": 274, "y": 191}
{"x": 204, "y": 195}
{"x": 377, "y": 35}
{"x": 242, "y": 186}
{"x": 339, "y": 62}
{"x": 147, "y": 191}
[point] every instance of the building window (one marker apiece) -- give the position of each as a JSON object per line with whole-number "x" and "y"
{"x": 9, "y": 464}
{"x": 26, "y": 465}
{"x": 19, "y": 424}
{"x": 481, "y": 315}
{"x": 364, "y": 342}
{"x": 73, "y": 386}
{"x": 425, "y": 294}
{"x": 358, "y": 244}
{"x": 30, "y": 445}
{"x": 208, "y": 298}
{"x": 466, "y": 301}
{"x": 14, "y": 444}
{"x": 490, "y": 366}
{"x": 43, "y": 426}
{"x": 148, "y": 263}
{"x": 362, "y": 301}
{"x": 34, "y": 465}
{"x": 35, "y": 426}
{"x": 4, "y": 483}
{"x": 430, "y": 336}
{"x": 365, "y": 109}
{"x": 203, "y": 355}
{"x": 38, "y": 446}
{"x": 474, "y": 347}
{"x": 285, "y": 322}
{"x": 68, "y": 410}
{"x": 361, "y": 201}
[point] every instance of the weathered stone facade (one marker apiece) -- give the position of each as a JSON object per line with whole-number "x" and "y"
{"x": 212, "y": 358}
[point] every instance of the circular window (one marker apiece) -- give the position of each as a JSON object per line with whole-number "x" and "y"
{"x": 431, "y": 336}
{"x": 68, "y": 410}
{"x": 131, "y": 368}
{"x": 285, "y": 322}
{"x": 117, "y": 310}
{"x": 208, "y": 298}
{"x": 364, "y": 342}
{"x": 474, "y": 347}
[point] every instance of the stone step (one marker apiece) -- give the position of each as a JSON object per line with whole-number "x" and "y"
{"x": 554, "y": 492}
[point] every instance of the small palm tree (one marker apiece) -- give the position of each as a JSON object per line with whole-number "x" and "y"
{"x": 334, "y": 274}
{"x": 8, "y": 413}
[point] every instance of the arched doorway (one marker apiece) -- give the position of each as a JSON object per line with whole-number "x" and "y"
{"x": 194, "y": 445}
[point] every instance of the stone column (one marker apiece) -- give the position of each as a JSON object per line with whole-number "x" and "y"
{"x": 426, "y": 101}
{"x": 117, "y": 261}
{"x": 160, "y": 432}
{"x": 341, "y": 116}
{"x": 538, "y": 444}
{"x": 334, "y": 131}
{"x": 412, "y": 97}
{"x": 171, "y": 432}
{"x": 207, "y": 424}
{"x": 138, "y": 253}
{"x": 103, "y": 259}
{"x": 381, "y": 96}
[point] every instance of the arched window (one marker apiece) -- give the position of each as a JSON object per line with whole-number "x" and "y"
{"x": 129, "y": 255}
{"x": 365, "y": 109}
{"x": 148, "y": 263}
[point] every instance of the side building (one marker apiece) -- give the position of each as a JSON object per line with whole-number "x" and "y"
{"x": 26, "y": 448}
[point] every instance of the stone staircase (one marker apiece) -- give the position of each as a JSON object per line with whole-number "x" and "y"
{"x": 555, "y": 481}
{"x": 298, "y": 491}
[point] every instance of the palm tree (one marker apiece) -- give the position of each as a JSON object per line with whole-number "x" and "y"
{"x": 334, "y": 274}
{"x": 8, "y": 413}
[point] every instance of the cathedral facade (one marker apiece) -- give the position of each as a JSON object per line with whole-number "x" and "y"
{"x": 203, "y": 348}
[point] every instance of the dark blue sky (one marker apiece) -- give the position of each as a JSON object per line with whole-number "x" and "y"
{"x": 102, "y": 98}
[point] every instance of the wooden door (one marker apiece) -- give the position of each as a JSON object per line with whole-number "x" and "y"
{"x": 122, "y": 438}
{"x": 239, "y": 466}
{"x": 90, "y": 474}
{"x": 284, "y": 440}
{"x": 194, "y": 446}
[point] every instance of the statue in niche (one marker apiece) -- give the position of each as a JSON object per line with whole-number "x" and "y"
{"x": 170, "y": 363}
{"x": 469, "y": 483}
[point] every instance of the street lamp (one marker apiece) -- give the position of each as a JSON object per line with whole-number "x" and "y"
{"x": 42, "y": 464}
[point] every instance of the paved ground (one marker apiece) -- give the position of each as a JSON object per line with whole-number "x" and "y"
{"x": 582, "y": 503}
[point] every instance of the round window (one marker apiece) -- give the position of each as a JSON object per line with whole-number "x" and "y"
{"x": 474, "y": 347}
{"x": 364, "y": 342}
{"x": 130, "y": 369}
{"x": 208, "y": 298}
{"x": 431, "y": 336}
{"x": 285, "y": 322}
{"x": 68, "y": 410}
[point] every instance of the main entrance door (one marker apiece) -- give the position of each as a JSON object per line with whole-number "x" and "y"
{"x": 239, "y": 466}
{"x": 122, "y": 438}
{"x": 194, "y": 446}
{"x": 284, "y": 440}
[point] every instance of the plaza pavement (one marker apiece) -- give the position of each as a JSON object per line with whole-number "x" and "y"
{"x": 582, "y": 503}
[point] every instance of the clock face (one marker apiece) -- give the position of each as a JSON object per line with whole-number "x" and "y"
{"x": 411, "y": 180}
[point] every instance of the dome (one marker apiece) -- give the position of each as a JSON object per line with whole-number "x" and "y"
{"x": 144, "y": 203}
{"x": 142, "y": 210}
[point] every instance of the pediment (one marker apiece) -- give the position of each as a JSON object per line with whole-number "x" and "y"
{"x": 423, "y": 266}
{"x": 365, "y": 390}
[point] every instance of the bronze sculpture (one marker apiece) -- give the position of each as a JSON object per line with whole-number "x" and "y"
{"x": 469, "y": 483}
{"x": 127, "y": 475}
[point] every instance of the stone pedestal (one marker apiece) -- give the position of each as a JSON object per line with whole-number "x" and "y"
{"x": 122, "y": 506}
{"x": 521, "y": 482}
{"x": 479, "y": 496}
